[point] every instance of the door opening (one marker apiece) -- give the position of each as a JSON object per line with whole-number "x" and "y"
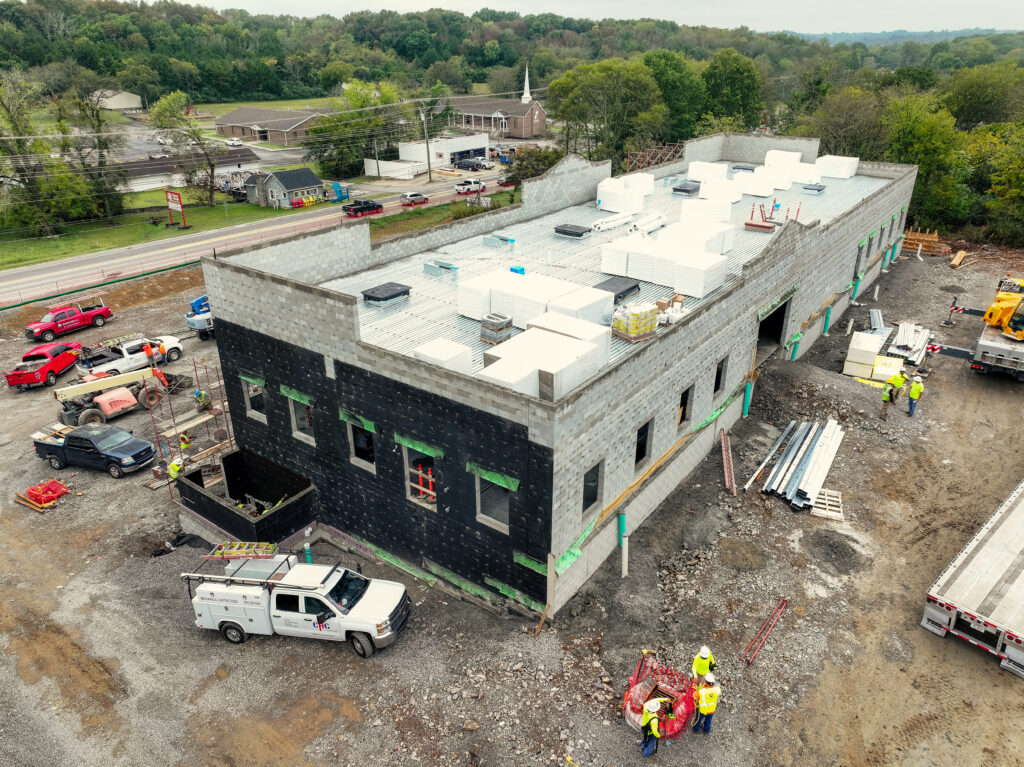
{"x": 771, "y": 327}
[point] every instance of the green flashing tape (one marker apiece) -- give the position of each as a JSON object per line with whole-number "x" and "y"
{"x": 458, "y": 580}
{"x": 862, "y": 243}
{"x": 873, "y": 234}
{"x": 828, "y": 320}
{"x": 423, "y": 447}
{"x": 356, "y": 420}
{"x": 512, "y": 593}
{"x": 521, "y": 559}
{"x": 252, "y": 378}
{"x": 894, "y": 215}
{"x": 494, "y": 477}
{"x": 904, "y": 208}
{"x": 401, "y": 564}
{"x": 298, "y": 396}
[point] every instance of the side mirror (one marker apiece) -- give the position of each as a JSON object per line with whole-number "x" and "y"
{"x": 323, "y": 617}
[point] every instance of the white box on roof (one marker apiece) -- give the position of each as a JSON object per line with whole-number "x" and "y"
{"x": 705, "y": 211}
{"x": 837, "y": 166}
{"x": 707, "y": 171}
{"x": 615, "y": 257}
{"x": 527, "y": 295}
{"x": 573, "y": 327}
{"x": 778, "y": 157}
{"x": 720, "y": 189}
{"x": 512, "y": 373}
{"x": 450, "y": 355}
{"x": 642, "y": 183}
{"x": 563, "y": 362}
{"x": 588, "y": 304}
{"x": 474, "y": 296}
{"x": 613, "y": 196}
{"x": 699, "y": 273}
{"x": 806, "y": 173}
{"x": 757, "y": 184}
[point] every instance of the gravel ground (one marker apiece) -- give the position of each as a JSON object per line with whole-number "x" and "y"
{"x": 98, "y": 649}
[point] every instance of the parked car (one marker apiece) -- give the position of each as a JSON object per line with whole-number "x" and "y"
{"x": 96, "y": 446}
{"x": 42, "y": 365}
{"x": 469, "y": 186}
{"x": 234, "y": 142}
{"x": 123, "y": 355}
{"x": 468, "y": 164}
{"x": 504, "y": 181}
{"x": 485, "y": 164}
{"x": 414, "y": 198}
{"x": 362, "y": 208}
{"x": 67, "y": 317}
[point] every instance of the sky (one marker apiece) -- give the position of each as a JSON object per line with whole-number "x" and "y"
{"x": 761, "y": 15}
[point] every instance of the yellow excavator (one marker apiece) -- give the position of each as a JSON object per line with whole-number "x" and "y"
{"x": 1007, "y": 311}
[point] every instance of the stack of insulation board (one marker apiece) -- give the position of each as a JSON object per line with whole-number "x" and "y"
{"x": 722, "y": 189}
{"x": 559, "y": 363}
{"x": 614, "y": 196}
{"x": 642, "y": 183}
{"x": 520, "y": 296}
{"x": 635, "y": 321}
{"x": 446, "y": 354}
{"x": 474, "y": 296}
{"x": 599, "y": 335}
{"x": 707, "y": 171}
{"x": 756, "y": 184}
{"x": 800, "y": 472}
{"x": 860, "y": 359}
{"x": 782, "y": 167}
{"x": 589, "y": 304}
{"x": 886, "y": 367}
{"x": 836, "y": 166}
{"x": 700, "y": 212}
{"x": 615, "y": 255}
{"x": 710, "y": 236}
{"x": 698, "y": 273}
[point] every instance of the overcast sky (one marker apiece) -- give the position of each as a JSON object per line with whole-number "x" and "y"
{"x": 762, "y": 15}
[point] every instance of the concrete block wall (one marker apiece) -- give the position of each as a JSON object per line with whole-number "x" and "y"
{"x": 747, "y": 147}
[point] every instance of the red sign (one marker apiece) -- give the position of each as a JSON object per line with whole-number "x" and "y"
{"x": 173, "y": 200}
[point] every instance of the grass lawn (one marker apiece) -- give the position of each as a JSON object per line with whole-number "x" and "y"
{"x": 147, "y": 199}
{"x": 219, "y": 110}
{"x": 481, "y": 89}
{"x": 131, "y": 229}
{"x": 421, "y": 218}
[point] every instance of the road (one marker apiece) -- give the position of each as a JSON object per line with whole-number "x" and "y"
{"x": 48, "y": 278}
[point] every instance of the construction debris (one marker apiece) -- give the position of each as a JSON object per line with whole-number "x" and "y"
{"x": 730, "y": 475}
{"x": 829, "y": 505}
{"x": 763, "y": 632}
{"x": 927, "y": 240}
{"x": 801, "y": 470}
{"x": 958, "y": 259}
{"x": 42, "y": 496}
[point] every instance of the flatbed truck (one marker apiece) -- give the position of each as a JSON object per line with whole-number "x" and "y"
{"x": 979, "y": 597}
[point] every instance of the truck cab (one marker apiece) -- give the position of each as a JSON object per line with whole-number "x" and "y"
{"x": 280, "y": 595}
{"x": 66, "y": 317}
{"x": 96, "y": 446}
{"x": 123, "y": 355}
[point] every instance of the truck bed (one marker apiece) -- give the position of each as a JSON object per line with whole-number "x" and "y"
{"x": 996, "y": 349}
{"x": 986, "y": 579}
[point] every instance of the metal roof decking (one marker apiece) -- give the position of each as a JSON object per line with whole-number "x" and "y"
{"x": 430, "y": 311}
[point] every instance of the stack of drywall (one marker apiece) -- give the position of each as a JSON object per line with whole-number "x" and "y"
{"x": 513, "y": 373}
{"x": 635, "y": 321}
{"x": 588, "y": 304}
{"x": 860, "y": 358}
{"x": 527, "y": 295}
{"x": 642, "y": 183}
{"x": 446, "y": 354}
{"x": 757, "y": 184}
{"x": 614, "y": 196}
{"x": 591, "y": 332}
{"x": 837, "y": 166}
{"x": 707, "y": 171}
{"x": 699, "y": 273}
{"x": 474, "y": 296}
{"x": 720, "y": 189}
{"x": 705, "y": 211}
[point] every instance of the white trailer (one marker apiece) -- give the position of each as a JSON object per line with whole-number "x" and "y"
{"x": 280, "y": 595}
{"x": 980, "y": 596}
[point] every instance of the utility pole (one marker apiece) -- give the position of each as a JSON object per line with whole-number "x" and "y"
{"x": 376, "y": 159}
{"x": 426, "y": 139}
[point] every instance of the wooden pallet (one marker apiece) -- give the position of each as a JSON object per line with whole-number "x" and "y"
{"x": 636, "y": 340}
{"x": 24, "y": 500}
{"x": 828, "y": 505}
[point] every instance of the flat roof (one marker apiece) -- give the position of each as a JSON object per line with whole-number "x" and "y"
{"x": 431, "y": 312}
{"x": 987, "y": 578}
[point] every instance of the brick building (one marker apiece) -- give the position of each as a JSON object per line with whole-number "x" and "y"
{"x": 503, "y": 117}
{"x": 510, "y": 495}
{"x": 278, "y": 126}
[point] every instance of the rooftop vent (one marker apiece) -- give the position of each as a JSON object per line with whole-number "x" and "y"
{"x": 572, "y": 230}
{"x": 621, "y": 287}
{"x": 689, "y": 188}
{"x": 814, "y": 188}
{"x": 382, "y": 295}
{"x": 743, "y": 166}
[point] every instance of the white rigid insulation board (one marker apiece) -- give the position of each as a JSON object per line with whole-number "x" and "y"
{"x": 864, "y": 347}
{"x": 589, "y": 304}
{"x": 640, "y": 182}
{"x": 512, "y": 373}
{"x": 701, "y": 171}
{"x": 720, "y": 189}
{"x": 615, "y": 257}
{"x": 527, "y": 295}
{"x": 450, "y": 355}
{"x": 698, "y": 274}
{"x": 837, "y": 166}
{"x": 756, "y": 184}
{"x": 779, "y": 157}
{"x": 599, "y": 335}
{"x": 858, "y": 369}
{"x": 806, "y": 173}
{"x": 705, "y": 211}
{"x": 474, "y": 297}
{"x": 567, "y": 361}
{"x": 613, "y": 196}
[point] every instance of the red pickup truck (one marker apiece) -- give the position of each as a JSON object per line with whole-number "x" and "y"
{"x": 43, "y": 364}
{"x": 64, "y": 318}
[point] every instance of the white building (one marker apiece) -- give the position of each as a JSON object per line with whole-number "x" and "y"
{"x": 118, "y": 100}
{"x": 412, "y": 155}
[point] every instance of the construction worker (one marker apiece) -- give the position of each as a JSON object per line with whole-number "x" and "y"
{"x": 163, "y": 352}
{"x": 887, "y": 397}
{"x": 649, "y": 725}
{"x": 147, "y": 349}
{"x": 703, "y": 662}
{"x": 174, "y": 469}
{"x": 899, "y": 382}
{"x": 916, "y": 390}
{"x": 706, "y": 698}
{"x": 202, "y": 400}
{"x": 184, "y": 441}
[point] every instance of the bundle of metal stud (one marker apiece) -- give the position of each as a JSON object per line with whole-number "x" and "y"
{"x": 800, "y": 471}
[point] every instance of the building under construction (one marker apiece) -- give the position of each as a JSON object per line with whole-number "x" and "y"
{"x": 368, "y": 373}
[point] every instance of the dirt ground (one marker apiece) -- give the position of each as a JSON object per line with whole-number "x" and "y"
{"x": 100, "y": 663}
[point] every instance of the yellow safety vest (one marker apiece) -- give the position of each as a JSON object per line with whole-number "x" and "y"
{"x": 702, "y": 665}
{"x": 708, "y": 699}
{"x": 887, "y": 392}
{"x": 652, "y": 719}
{"x": 174, "y": 470}
{"x": 898, "y": 380}
{"x": 916, "y": 390}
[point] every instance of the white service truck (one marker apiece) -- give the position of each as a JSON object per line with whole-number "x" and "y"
{"x": 281, "y": 595}
{"x": 980, "y": 596}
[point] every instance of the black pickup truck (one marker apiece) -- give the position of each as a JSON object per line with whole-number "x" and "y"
{"x": 96, "y": 446}
{"x": 362, "y": 208}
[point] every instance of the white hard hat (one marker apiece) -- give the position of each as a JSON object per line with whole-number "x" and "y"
{"x": 705, "y": 652}
{"x": 917, "y": 378}
{"x": 709, "y": 678}
{"x": 652, "y": 705}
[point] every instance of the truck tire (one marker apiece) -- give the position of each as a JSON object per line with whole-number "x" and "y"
{"x": 115, "y": 470}
{"x": 91, "y": 415}
{"x": 204, "y": 335}
{"x": 51, "y": 378}
{"x": 55, "y": 462}
{"x": 49, "y": 336}
{"x": 361, "y": 644}
{"x": 173, "y": 355}
{"x": 99, "y": 321}
{"x": 114, "y": 372}
{"x": 148, "y": 398}
{"x": 232, "y": 632}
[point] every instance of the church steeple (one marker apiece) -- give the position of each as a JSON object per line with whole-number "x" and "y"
{"x": 527, "y": 98}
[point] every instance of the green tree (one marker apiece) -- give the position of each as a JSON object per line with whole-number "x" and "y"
{"x": 1008, "y": 189}
{"x": 604, "y": 105}
{"x": 530, "y": 163}
{"x": 682, "y": 90}
{"x": 196, "y": 153}
{"x": 849, "y": 123}
{"x": 140, "y": 79}
{"x": 93, "y": 148}
{"x": 985, "y": 94}
{"x": 733, "y": 87}
{"x": 335, "y": 73}
{"x": 708, "y": 125}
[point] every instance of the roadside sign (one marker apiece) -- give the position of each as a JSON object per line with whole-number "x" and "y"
{"x": 174, "y": 204}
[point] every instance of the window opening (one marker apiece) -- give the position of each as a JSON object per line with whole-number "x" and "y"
{"x": 642, "y": 441}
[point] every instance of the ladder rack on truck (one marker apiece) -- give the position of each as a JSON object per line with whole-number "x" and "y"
{"x": 257, "y": 571}
{"x": 979, "y": 597}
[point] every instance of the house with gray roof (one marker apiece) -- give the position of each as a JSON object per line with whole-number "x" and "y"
{"x": 280, "y": 126}
{"x": 281, "y": 188}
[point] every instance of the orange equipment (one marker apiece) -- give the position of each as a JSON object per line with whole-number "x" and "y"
{"x": 652, "y": 679}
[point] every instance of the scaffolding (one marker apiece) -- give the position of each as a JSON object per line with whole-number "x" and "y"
{"x": 647, "y": 158}
{"x": 169, "y": 423}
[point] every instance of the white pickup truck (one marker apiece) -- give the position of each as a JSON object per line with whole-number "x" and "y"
{"x": 280, "y": 595}
{"x": 123, "y": 355}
